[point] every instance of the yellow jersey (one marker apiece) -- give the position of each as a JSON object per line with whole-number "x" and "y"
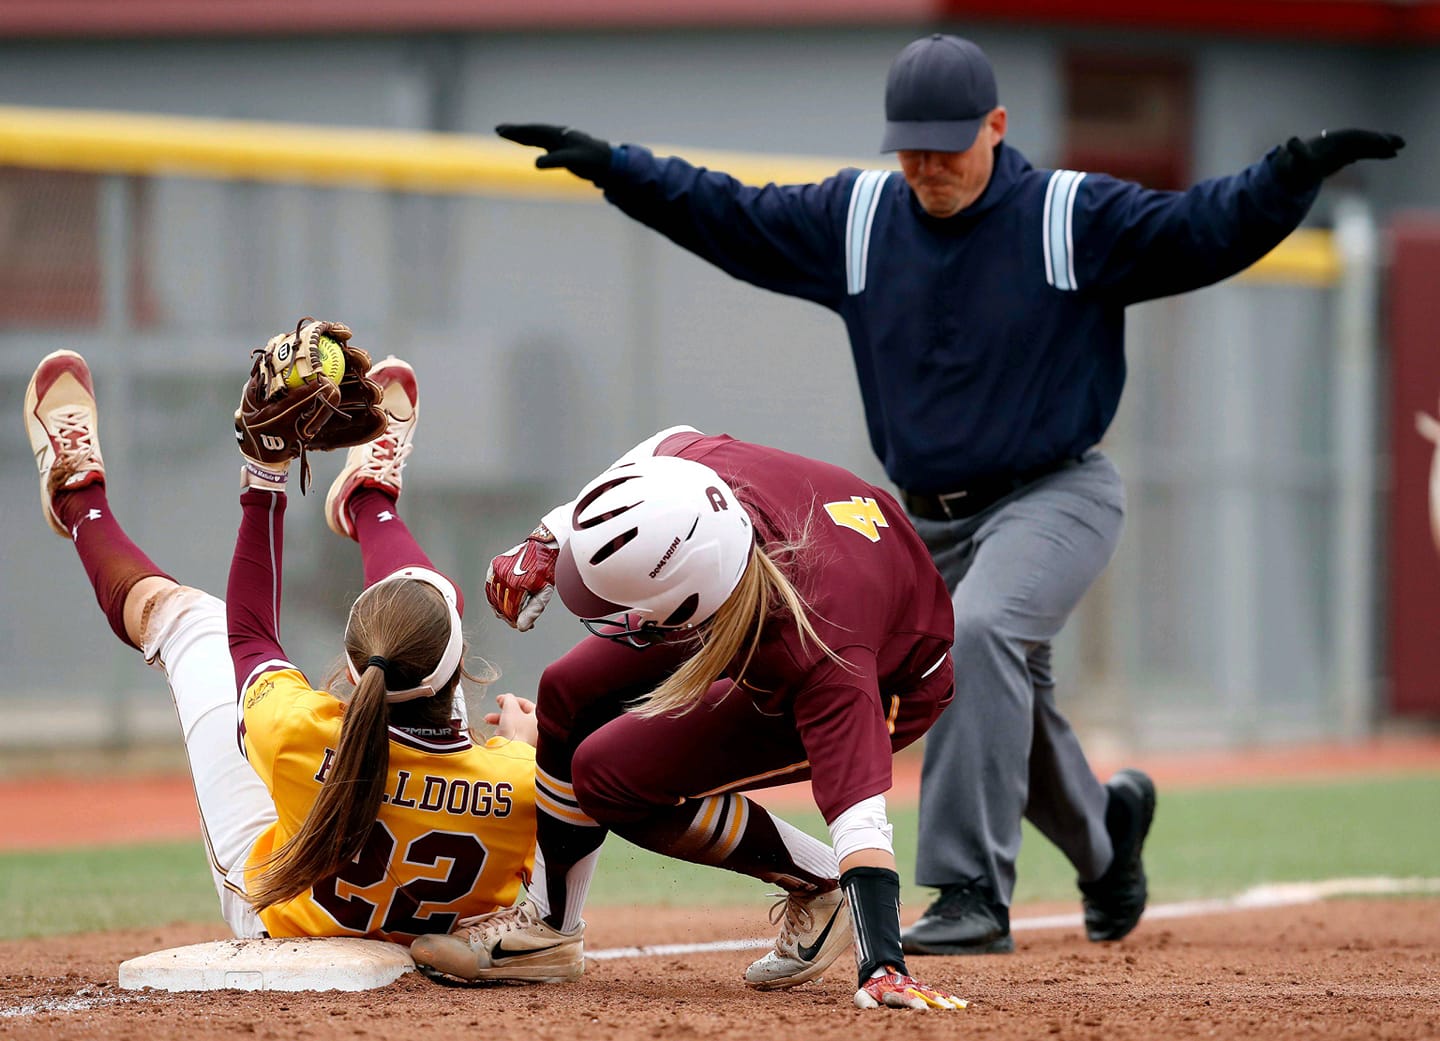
{"x": 455, "y": 835}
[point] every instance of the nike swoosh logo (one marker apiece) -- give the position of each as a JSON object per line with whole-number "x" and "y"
{"x": 517, "y": 570}
{"x": 809, "y": 953}
{"x": 500, "y": 951}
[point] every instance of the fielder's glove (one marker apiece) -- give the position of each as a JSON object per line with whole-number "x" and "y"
{"x": 361, "y": 419}
{"x": 521, "y": 581}
{"x": 896, "y": 990}
{"x": 1302, "y": 164}
{"x": 565, "y": 148}
{"x": 277, "y": 421}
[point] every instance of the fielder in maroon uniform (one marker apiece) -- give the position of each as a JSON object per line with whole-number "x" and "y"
{"x": 758, "y": 618}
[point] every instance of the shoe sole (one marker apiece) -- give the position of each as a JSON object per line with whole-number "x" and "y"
{"x": 332, "y": 507}
{"x": 1004, "y": 945}
{"x": 516, "y": 971}
{"x": 496, "y": 976}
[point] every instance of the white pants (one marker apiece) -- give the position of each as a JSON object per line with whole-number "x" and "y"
{"x": 186, "y": 639}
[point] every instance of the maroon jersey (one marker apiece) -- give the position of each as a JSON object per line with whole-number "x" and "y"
{"x": 875, "y": 599}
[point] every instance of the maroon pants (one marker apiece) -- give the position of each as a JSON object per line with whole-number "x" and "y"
{"x": 637, "y": 776}
{"x": 624, "y": 767}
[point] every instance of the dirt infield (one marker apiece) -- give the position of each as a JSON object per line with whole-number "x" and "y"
{"x": 1338, "y": 970}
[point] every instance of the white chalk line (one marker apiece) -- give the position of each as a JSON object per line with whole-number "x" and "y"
{"x": 75, "y": 1003}
{"x": 1282, "y": 894}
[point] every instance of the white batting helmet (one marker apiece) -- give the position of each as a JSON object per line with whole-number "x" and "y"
{"x": 661, "y": 540}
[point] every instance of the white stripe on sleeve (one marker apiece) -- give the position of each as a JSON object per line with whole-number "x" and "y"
{"x": 864, "y": 201}
{"x": 1057, "y": 228}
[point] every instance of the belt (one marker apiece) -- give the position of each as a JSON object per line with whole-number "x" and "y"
{"x": 975, "y": 497}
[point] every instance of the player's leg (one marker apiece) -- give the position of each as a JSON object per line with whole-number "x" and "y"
{"x": 542, "y": 939}
{"x": 180, "y": 630}
{"x": 1017, "y": 573}
{"x": 672, "y": 785}
{"x": 362, "y": 503}
{"x": 63, "y": 423}
{"x": 185, "y": 638}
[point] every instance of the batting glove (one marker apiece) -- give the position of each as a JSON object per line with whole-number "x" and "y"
{"x": 565, "y": 148}
{"x": 1302, "y": 164}
{"x": 521, "y": 580}
{"x": 896, "y": 990}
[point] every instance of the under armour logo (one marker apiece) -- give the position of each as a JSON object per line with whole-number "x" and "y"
{"x": 385, "y": 515}
{"x": 91, "y": 514}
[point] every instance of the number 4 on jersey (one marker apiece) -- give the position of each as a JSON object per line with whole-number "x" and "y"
{"x": 862, "y": 515}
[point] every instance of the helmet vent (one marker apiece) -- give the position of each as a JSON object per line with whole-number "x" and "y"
{"x": 595, "y": 493}
{"x": 683, "y": 613}
{"x": 612, "y": 547}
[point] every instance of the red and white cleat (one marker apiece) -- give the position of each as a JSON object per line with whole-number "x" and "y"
{"x": 62, "y": 421}
{"x": 379, "y": 463}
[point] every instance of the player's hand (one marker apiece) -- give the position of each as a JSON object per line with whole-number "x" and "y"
{"x": 896, "y": 990}
{"x": 521, "y": 580}
{"x": 1303, "y": 163}
{"x": 565, "y": 148}
{"x": 516, "y": 719}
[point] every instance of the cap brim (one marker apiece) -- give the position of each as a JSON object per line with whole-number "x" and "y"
{"x": 574, "y": 593}
{"x": 931, "y": 136}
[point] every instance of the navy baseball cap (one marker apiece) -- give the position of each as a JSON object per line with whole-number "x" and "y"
{"x": 939, "y": 91}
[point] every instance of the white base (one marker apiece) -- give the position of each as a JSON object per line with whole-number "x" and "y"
{"x": 319, "y": 963}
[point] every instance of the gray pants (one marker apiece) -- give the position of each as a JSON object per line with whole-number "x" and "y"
{"x": 1002, "y": 749}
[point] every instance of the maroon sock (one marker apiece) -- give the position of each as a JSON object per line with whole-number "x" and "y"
{"x": 112, "y": 562}
{"x": 386, "y": 544}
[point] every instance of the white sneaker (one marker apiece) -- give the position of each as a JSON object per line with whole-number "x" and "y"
{"x": 378, "y": 463}
{"x": 513, "y": 944}
{"x": 61, "y": 419}
{"x": 814, "y": 930}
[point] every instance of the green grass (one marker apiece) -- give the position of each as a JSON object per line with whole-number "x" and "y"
{"x": 95, "y": 890}
{"x": 1204, "y": 843}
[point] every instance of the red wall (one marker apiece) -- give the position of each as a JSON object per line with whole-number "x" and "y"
{"x": 1413, "y": 601}
{"x": 1381, "y": 21}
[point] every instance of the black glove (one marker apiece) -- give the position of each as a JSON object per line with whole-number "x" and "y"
{"x": 1301, "y": 165}
{"x": 573, "y": 150}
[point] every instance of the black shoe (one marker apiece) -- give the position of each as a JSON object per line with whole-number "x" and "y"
{"x": 964, "y": 919}
{"x": 1115, "y": 901}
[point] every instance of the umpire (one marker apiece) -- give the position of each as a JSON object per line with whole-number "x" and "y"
{"x": 985, "y": 304}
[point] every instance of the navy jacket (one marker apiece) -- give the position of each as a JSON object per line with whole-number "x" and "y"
{"x": 988, "y": 343}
